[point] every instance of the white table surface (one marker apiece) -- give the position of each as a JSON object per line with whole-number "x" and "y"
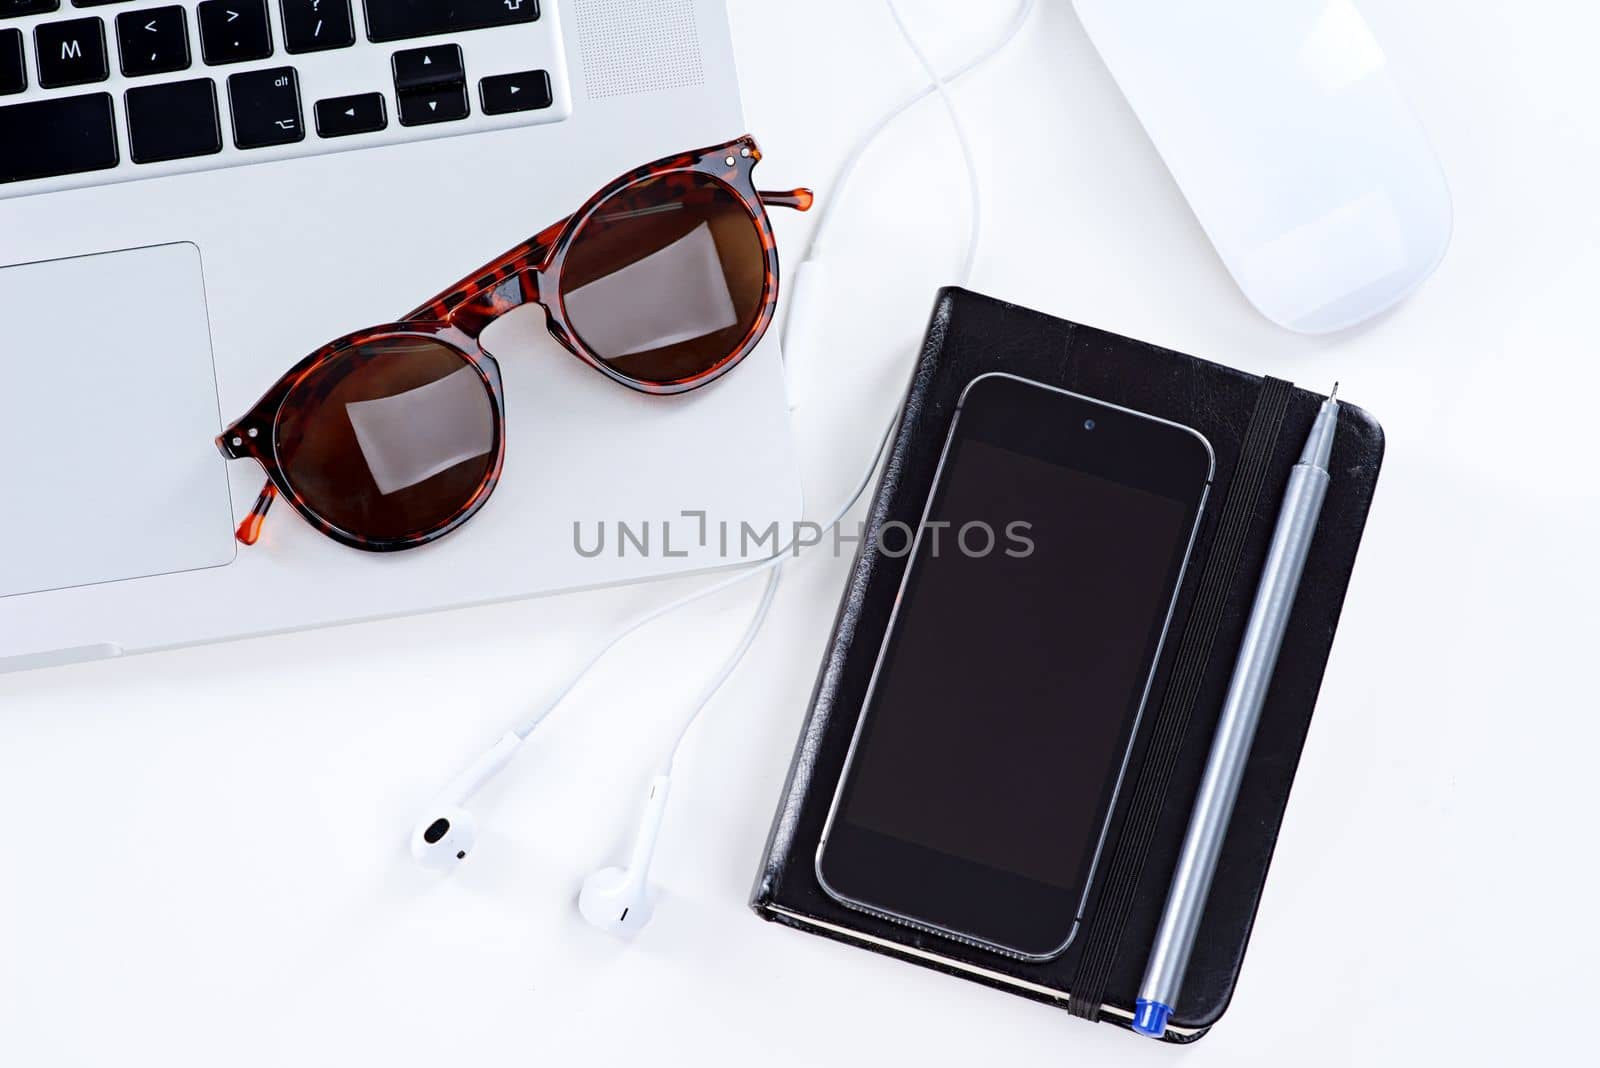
{"x": 204, "y": 859}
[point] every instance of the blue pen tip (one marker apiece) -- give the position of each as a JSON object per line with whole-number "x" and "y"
{"x": 1150, "y": 1017}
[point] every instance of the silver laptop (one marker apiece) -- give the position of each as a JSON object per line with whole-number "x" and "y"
{"x": 248, "y": 179}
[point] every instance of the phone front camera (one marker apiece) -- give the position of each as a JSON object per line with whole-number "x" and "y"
{"x": 1088, "y": 424}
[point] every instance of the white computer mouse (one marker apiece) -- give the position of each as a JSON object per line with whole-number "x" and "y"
{"x": 1279, "y": 120}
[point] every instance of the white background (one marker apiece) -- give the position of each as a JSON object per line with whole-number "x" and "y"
{"x": 204, "y": 857}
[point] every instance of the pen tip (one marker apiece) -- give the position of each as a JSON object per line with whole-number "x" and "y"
{"x": 1335, "y": 394}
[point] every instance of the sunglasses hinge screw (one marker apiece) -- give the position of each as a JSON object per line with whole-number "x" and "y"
{"x": 252, "y": 431}
{"x": 237, "y": 441}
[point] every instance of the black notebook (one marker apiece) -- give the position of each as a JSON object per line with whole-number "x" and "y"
{"x": 1256, "y": 427}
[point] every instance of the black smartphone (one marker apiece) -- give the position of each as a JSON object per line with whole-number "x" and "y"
{"x": 1008, "y": 689}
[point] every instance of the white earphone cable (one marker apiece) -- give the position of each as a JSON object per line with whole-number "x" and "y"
{"x": 858, "y": 150}
{"x": 771, "y": 563}
{"x": 757, "y": 621}
{"x": 774, "y": 564}
{"x": 968, "y": 157}
{"x": 975, "y": 190}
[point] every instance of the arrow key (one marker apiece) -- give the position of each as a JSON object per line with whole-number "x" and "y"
{"x": 527, "y": 90}
{"x": 419, "y": 107}
{"x": 341, "y": 116}
{"x": 155, "y": 41}
{"x": 436, "y": 65}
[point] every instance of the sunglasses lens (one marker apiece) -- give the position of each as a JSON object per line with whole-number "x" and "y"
{"x": 664, "y": 281}
{"x": 390, "y": 439}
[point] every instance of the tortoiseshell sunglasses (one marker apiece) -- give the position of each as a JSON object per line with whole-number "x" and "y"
{"x": 393, "y": 436}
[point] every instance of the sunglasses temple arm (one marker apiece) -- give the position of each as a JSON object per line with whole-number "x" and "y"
{"x": 250, "y": 527}
{"x": 798, "y": 199}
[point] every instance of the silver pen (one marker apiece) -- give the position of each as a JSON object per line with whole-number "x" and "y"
{"x": 1241, "y": 711}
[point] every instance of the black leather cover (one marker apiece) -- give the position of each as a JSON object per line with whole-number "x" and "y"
{"x": 970, "y": 335}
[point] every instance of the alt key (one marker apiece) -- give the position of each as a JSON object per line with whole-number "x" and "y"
{"x": 341, "y": 116}
{"x": 266, "y": 107}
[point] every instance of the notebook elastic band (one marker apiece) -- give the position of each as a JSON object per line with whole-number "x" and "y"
{"x": 1103, "y": 936}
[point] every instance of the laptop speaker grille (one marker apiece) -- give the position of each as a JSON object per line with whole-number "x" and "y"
{"x": 638, "y": 46}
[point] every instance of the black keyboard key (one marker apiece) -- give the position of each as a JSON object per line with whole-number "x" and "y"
{"x": 13, "y": 68}
{"x": 71, "y": 52}
{"x": 232, "y": 31}
{"x": 173, "y": 121}
{"x": 64, "y": 135}
{"x": 154, "y": 41}
{"x": 435, "y": 65}
{"x": 527, "y": 90}
{"x": 266, "y": 107}
{"x": 96, "y": 3}
{"x": 10, "y": 9}
{"x": 398, "y": 20}
{"x": 341, "y": 116}
{"x": 313, "y": 25}
{"x": 419, "y": 107}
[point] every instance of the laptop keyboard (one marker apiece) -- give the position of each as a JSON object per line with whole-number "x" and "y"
{"x": 96, "y": 91}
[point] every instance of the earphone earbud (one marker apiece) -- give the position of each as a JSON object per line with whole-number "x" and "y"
{"x": 444, "y": 837}
{"x": 620, "y": 901}
{"x": 617, "y": 901}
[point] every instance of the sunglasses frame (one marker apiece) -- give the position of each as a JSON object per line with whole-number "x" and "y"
{"x": 530, "y": 272}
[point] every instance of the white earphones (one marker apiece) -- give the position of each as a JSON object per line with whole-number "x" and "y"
{"x": 444, "y": 837}
{"x": 620, "y": 901}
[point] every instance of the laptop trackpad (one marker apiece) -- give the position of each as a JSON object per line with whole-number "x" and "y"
{"x": 108, "y": 409}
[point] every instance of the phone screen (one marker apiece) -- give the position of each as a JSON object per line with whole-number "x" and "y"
{"x": 1017, "y": 661}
